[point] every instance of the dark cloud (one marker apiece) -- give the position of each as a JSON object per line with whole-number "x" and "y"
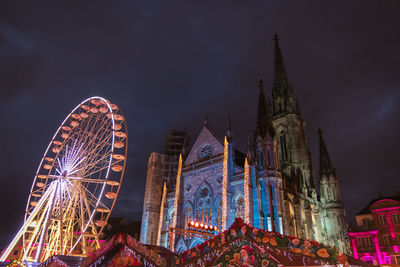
{"x": 166, "y": 64}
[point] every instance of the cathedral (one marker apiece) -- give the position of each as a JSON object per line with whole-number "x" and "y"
{"x": 270, "y": 185}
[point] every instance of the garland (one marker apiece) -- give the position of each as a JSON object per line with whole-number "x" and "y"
{"x": 16, "y": 263}
{"x": 54, "y": 261}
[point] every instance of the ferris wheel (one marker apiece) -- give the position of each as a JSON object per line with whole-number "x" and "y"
{"x": 76, "y": 184}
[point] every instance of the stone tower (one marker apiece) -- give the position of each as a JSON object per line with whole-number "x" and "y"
{"x": 334, "y": 218}
{"x": 161, "y": 169}
{"x": 289, "y": 126}
{"x": 152, "y": 198}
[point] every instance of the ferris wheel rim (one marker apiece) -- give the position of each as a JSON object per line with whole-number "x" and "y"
{"x": 55, "y": 135}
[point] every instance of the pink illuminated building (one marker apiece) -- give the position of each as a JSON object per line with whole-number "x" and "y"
{"x": 376, "y": 238}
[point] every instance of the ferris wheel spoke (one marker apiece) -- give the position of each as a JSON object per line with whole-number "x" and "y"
{"x": 84, "y": 190}
{"x": 97, "y": 169}
{"x": 92, "y": 164}
{"x": 88, "y": 180}
{"x": 105, "y": 128}
{"x": 93, "y": 154}
{"x": 96, "y": 147}
{"x": 87, "y": 135}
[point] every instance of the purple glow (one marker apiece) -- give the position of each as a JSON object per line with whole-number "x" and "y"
{"x": 366, "y": 233}
{"x": 386, "y": 210}
{"x": 355, "y": 253}
{"x": 383, "y": 200}
{"x": 388, "y": 219}
{"x": 378, "y": 250}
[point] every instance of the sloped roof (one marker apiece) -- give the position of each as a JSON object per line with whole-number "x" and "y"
{"x": 206, "y": 135}
{"x": 366, "y": 210}
{"x": 123, "y": 243}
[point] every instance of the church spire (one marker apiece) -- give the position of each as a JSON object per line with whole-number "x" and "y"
{"x": 263, "y": 125}
{"x": 280, "y": 76}
{"x": 325, "y": 165}
{"x": 282, "y": 91}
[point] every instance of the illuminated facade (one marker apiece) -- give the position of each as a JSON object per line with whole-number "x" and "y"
{"x": 376, "y": 238}
{"x": 270, "y": 186}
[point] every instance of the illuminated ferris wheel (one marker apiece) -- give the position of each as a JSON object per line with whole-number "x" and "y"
{"x": 76, "y": 184}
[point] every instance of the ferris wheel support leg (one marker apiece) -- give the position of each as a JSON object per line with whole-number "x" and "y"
{"x": 13, "y": 243}
{"x": 28, "y": 248}
{"x": 82, "y": 226}
{"x": 43, "y": 235}
{"x": 94, "y": 232}
{"x": 70, "y": 213}
{"x": 23, "y": 229}
{"x": 61, "y": 215}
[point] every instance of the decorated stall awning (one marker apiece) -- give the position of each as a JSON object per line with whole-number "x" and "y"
{"x": 243, "y": 245}
{"x": 123, "y": 250}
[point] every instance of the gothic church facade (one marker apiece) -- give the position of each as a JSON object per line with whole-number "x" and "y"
{"x": 270, "y": 186}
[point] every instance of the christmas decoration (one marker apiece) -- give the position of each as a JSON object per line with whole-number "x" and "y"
{"x": 243, "y": 245}
{"x": 124, "y": 250}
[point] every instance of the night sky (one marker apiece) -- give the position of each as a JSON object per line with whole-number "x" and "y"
{"x": 168, "y": 63}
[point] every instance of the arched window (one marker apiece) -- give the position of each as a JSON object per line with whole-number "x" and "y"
{"x": 188, "y": 213}
{"x": 283, "y": 146}
{"x": 270, "y": 160}
{"x": 204, "y": 204}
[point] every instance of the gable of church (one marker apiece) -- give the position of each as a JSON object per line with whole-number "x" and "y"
{"x": 205, "y": 139}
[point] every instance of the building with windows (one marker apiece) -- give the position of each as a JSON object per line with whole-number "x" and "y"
{"x": 270, "y": 185}
{"x": 376, "y": 237}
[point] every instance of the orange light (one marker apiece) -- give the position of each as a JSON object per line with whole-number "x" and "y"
{"x": 211, "y": 227}
{"x": 192, "y": 223}
{"x": 215, "y": 228}
{"x": 201, "y": 225}
{"x": 206, "y": 226}
{"x": 196, "y": 224}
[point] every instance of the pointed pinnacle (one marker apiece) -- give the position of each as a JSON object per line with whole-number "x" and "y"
{"x": 205, "y": 119}
{"x": 229, "y": 129}
{"x": 276, "y": 38}
{"x": 325, "y": 164}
